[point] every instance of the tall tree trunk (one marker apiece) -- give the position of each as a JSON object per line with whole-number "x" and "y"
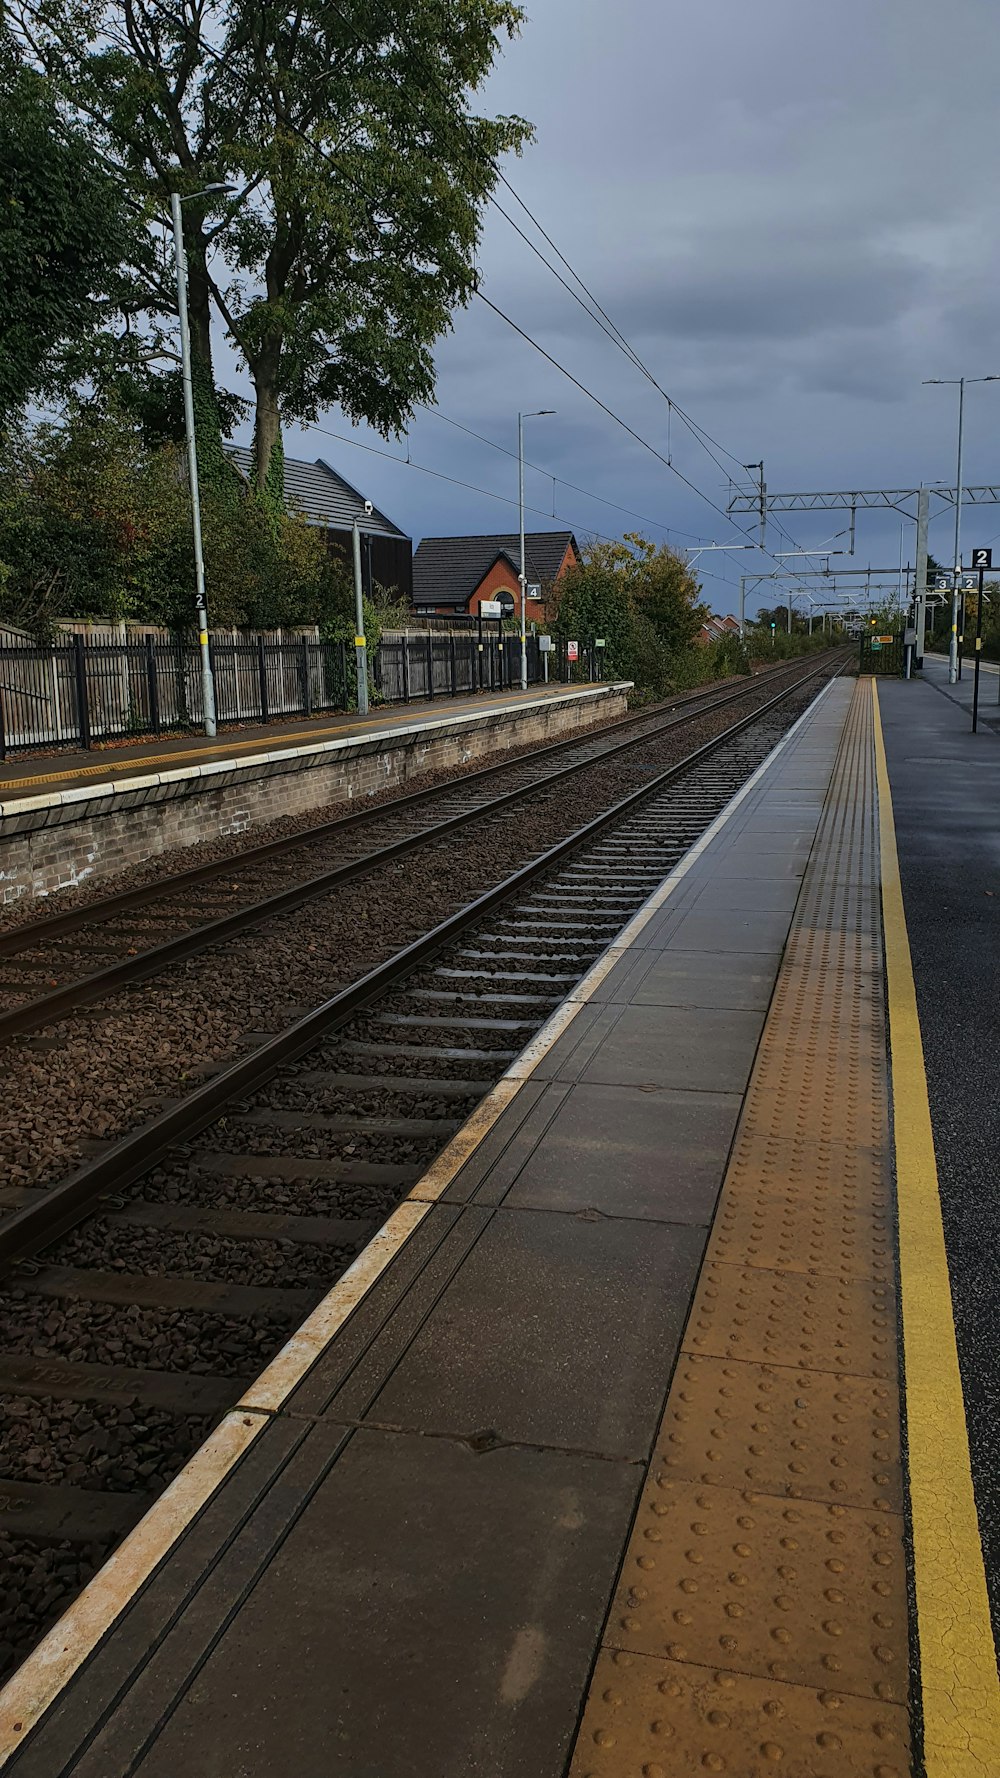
{"x": 268, "y": 457}
{"x": 207, "y": 423}
{"x": 199, "y": 303}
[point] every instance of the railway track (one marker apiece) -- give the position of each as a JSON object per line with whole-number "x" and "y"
{"x": 148, "y": 1286}
{"x": 85, "y": 953}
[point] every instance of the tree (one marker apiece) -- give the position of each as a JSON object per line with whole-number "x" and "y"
{"x": 667, "y": 593}
{"x": 641, "y": 598}
{"x": 360, "y": 170}
{"x": 64, "y": 238}
{"x": 594, "y": 598}
{"x": 96, "y": 523}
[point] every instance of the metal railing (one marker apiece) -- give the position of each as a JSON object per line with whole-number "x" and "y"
{"x": 82, "y": 691}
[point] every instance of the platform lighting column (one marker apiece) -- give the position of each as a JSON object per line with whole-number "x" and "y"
{"x": 956, "y": 577}
{"x": 956, "y": 573}
{"x": 920, "y": 576}
{"x": 523, "y": 577}
{"x": 201, "y": 607}
{"x": 360, "y": 641}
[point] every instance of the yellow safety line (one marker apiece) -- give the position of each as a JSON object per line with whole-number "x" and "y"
{"x": 179, "y": 759}
{"x": 265, "y": 744}
{"x": 958, "y": 1672}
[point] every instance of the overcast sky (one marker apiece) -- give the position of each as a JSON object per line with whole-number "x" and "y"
{"x": 790, "y": 210}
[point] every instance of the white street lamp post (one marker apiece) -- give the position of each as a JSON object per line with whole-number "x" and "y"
{"x": 523, "y": 577}
{"x": 180, "y": 267}
{"x": 956, "y": 575}
{"x": 360, "y": 639}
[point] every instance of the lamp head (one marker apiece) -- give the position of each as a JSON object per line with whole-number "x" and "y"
{"x": 216, "y": 189}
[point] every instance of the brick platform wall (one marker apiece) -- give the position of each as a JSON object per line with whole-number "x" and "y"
{"x": 67, "y": 843}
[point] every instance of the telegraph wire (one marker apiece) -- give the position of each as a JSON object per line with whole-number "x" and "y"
{"x": 318, "y": 149}
{"x": 473, "y": 488}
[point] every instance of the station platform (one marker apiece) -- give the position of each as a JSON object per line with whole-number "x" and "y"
{"x": 592, "y": 1465}
{"x": 256, "y": 744}
{"x": 66, "y": 821}
{"x": 935, "y": 672}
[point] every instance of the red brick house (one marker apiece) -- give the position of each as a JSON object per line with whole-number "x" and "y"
{"x": 453, "y": 575}
{"x": 714, "y": 628}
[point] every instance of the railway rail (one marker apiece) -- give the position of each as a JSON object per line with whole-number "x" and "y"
{"x": 135, "y": 933}
{"x": 148, "y": 1286}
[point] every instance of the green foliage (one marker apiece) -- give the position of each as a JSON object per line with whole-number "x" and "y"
{"x": 594, "y": 598}
{"x": 763, "y": 647}
{"x": 667, "y": 594}
{"x": 96, "y": 523}
{"x": 361, "y": 174}
{"x": 643, "y": 599}
{"x": 64, "y": 234}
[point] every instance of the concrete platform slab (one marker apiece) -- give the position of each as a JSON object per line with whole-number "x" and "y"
{"x": 740, "y": 929}
{"x": 641, "y": 1152}
{"x": 683, "y": 977}
{"x": 707, "y": 1049}
{"x": 484, "y": 1613}
{"x": 543, "y": 1305}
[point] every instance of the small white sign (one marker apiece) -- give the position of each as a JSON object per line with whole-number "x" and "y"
{"x": 490, "y": 608}
{"x": 572, "y": 651}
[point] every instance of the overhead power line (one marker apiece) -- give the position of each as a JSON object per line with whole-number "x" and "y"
{"x": 318, "y": 149}
{"x": 541, "y": 469}
{"x": 473, "y": 488}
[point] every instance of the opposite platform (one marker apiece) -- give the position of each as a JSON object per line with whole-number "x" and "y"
{"x": 63, "y": 825}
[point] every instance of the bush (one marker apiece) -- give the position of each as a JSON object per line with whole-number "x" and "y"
{"x": 641, "y": 598}
{"x": 96, "y": 523}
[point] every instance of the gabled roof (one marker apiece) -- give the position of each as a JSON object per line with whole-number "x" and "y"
{"x": 447, "y": 570}
{"x": 321, "y": 495}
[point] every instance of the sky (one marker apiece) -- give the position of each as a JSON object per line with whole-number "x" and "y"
{"x": 789, "y": 209}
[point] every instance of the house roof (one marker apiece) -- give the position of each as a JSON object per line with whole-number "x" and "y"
{"x": 321, "y": 495}
{"x": 447, "y": 570}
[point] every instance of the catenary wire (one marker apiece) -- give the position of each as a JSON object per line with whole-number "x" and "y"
{"x": 317, "y": 148}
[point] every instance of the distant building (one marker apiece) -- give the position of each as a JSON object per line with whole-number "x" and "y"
{"x": 715, "y": 628}
{"x": 453, "y": 575}
{"x": 325, "y": 499}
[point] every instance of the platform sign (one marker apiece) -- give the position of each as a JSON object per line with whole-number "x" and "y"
{"x": 572, "y": 651}
{"x": 885, "y": 640}
{"x": 533, "y": 590}
{"x": 982, "y": 558}
{"x": 491, "y": 608}
{"x": 876, "y": 642}
{"x": 600, "y": 642}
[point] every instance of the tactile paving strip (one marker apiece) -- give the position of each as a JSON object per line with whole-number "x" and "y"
{"x": 785, "y": 1317}
{"x": 805, "y": 1206}
{"x": 805, "y": 1434}
{"x": 661, "y": 1722}
{"x": 789, "y": 1590}
{"x": 760, "y": 1621}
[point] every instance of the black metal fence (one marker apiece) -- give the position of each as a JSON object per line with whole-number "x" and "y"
{"x": 82, "y": 691}
{"x": 882, "y": 654}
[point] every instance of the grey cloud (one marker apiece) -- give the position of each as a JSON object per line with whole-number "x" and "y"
{"x": 789, "y": 210}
